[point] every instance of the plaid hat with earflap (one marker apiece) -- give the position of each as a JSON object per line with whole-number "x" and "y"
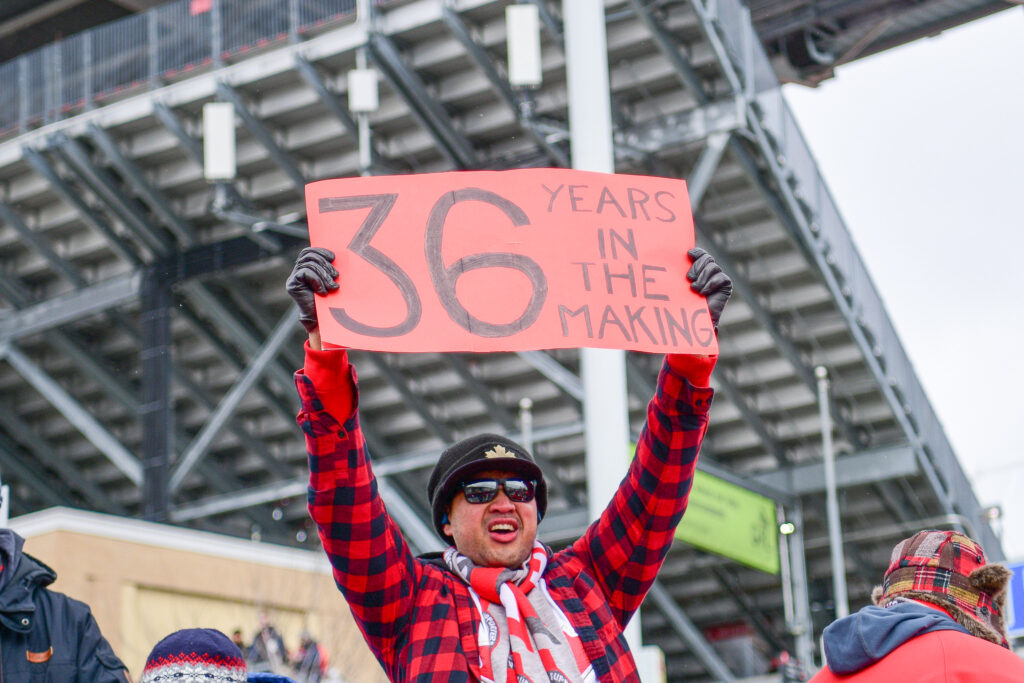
{"x": 948, "y": 569}
{"x": 199, "y": 654}
{"x": 477, "y": 454}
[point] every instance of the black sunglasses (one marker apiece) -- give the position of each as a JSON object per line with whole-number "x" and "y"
{"x": 486, "y": 490}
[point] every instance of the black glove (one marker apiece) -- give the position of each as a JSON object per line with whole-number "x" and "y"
{"x": 313, "y": 272}
{"x": 707, "y": 279}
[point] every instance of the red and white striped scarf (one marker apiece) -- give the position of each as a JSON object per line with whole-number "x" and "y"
{"x": 510, "y": 588}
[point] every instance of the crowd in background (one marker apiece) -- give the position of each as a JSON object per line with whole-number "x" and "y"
{"x": 267, "y": 652}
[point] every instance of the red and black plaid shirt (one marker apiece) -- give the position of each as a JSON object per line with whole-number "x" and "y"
{"x": 418, "y": 617}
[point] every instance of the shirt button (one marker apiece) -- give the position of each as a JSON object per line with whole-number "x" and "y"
{"x": 24, "y": 621}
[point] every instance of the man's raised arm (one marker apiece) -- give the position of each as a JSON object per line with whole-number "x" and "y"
{"x": 628, "y": 544}
{"x": 373, "y": 566}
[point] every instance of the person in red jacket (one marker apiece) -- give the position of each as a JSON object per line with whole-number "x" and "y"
{"x": 938, "y": 617}
{"x": 496, "y": 605}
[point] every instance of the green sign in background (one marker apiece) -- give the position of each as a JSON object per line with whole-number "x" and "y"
{"x": 729, "y": 520}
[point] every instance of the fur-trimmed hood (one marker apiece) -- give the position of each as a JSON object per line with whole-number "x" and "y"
{"x": 992, "y": 579}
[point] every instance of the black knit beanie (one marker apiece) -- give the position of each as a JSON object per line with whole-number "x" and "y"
{"x": 479, "y": 453}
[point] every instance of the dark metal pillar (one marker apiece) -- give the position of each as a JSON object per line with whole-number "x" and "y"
{"x": 157, "y": 409}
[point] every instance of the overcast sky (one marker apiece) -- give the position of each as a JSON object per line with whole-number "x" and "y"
{"x": 923, "y": 149}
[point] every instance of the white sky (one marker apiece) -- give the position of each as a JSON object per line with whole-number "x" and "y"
{"x": 923, "y": 149}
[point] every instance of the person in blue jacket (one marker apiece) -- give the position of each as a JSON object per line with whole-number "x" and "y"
{"x": 45, "y": 636}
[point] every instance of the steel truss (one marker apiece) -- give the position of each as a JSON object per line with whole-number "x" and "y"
{"x": 199, "y": 426}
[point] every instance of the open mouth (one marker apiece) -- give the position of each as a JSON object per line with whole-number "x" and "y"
{"x": 503, "y": 530}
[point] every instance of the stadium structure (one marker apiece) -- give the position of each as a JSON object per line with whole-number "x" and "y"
{"x": 147, "y": 344}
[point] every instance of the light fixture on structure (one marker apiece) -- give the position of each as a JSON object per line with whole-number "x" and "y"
{"x": 363, "y": 97}
{"x": 522, "y": 26}
{"x": 219, "y": 141}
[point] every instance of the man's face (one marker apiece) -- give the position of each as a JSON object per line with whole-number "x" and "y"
{"x": 495, "y": 534}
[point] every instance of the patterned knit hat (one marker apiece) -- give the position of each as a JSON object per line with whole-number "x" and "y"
{"x": 948, "y": 569}
{"x": 478, "y": 454}
{"x": 195, "y": 654}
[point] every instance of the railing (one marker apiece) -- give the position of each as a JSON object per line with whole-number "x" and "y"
{"x": 841, "y": 255}
{"x": 147, "y": 50}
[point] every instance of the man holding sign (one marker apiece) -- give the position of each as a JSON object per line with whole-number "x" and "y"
{"x": 496, "y": 605}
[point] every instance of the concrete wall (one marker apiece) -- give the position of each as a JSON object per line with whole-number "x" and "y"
{"x": 145, "y": 580}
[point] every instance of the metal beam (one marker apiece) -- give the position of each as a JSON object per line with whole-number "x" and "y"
{"x": 422, "y": 537}
{"x": 74, "y": 199}
{"x": 189, "y": 145}
{"x": 162, "y": 207}
{"x": 552, "y": 23}
{"x": 63, "y": 468}
{"x": 518, "y": 105}
{"x": 567, "y": 526}
{"x": 851, "y": 470}
{"x": 779, "y": 495}
{"x": 207, "y": 259}
{"x": 412, "y": 399}
{"x": 192, "y": 148}
{"x": 89, "y": 426}
{"x": 238, "y": 500}
{"x": 686, "y": 128}
{"x": 699, "y": 180}
{"x": 241, "y": 299}
{"x": 50, "y": 316}
{"x": 554, "y": 371}
{"x": 37, "y": 242}
{"x": 700, "y": 177}
{"x": 81, "y": 357}
{"x": 14, "y": 292}
{"x": 136, "y": 179}
{"x": 107, "y": 189}
{"x": 875, "y": 534}
{"x": 285, "y": 412}
{"x": 85, "y": 361}
{"x": 215, "y": 257}
{"x": 456, "y": 147}
{"x": 794, "y": 218}
{"x": 254, "y": 444}
{"x": 73, "y": 349}
{"x": 675, "y": 615}
{"x": 750, "y": 416}
{"x": 691, "y": 81}
{"x": 312, "y": 77}
{"x": 197, "y": 449}
{"x": 800, "y": 625}
{"x": 501, "y": 86}
{"x": 767, "y": 321}
{"x": 216, "y": 311}
{"x": 382, "y": 468}
{"x": 500, "y": 413}
{"x": 68, "y": 308}
{"x": 416, "y": 532}
{"x": 260, "y": 132}
{"x": 157, "y": 409}
{"x": 758, "y": 619}
{"x": 47, "y": 489}
{"x": 642, "y": 387}
{"x": 669, "y": 48}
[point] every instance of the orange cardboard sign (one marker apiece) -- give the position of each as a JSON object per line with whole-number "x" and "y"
{"x": 509, "y": 261}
